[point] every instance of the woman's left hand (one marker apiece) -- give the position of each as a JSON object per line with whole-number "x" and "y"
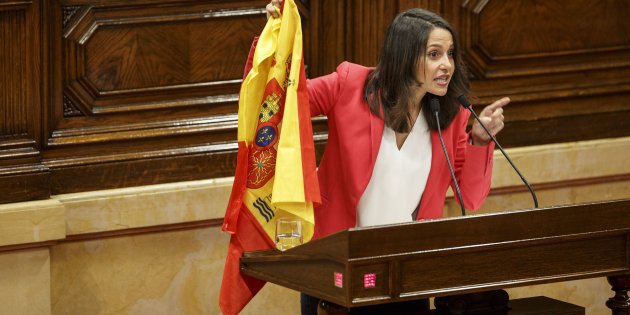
{"x": 273, "y": 8}
{"x": 492, "y": 118}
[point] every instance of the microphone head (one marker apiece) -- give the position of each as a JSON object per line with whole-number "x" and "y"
{"x": 464, "y": 101}
{"x": 435, "y": 104}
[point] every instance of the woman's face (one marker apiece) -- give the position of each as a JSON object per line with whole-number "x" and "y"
{"x": 437, "y": 66}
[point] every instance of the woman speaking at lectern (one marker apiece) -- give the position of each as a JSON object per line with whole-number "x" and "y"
{"x": 384, "y": 162}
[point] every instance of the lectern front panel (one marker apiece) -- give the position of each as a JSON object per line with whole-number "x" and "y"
{"x": 512, "y": 265}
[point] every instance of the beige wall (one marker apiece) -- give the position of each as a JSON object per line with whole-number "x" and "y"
{"x": 25, "y": 282}
{"x": 91, "y": 270}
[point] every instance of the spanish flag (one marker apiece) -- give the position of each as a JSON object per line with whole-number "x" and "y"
{"x": 276, "y": 172}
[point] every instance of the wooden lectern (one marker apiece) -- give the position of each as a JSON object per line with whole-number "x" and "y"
{"x": 455, "y": 256}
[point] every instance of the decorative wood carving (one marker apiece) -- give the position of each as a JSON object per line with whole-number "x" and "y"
{"x": 68, "y": 13}
{"x": 69, "y": 109}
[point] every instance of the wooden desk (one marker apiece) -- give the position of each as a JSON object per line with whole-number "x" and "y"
{"x": 455, "y": 256}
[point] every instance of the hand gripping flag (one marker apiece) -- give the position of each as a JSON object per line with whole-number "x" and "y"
{"x": 275, "y": 172}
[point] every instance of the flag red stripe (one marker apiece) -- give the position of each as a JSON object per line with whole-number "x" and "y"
{"x": 238, "y": 289}
{"x": 236, "y": 196}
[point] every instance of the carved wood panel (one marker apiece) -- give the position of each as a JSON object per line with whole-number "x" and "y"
{"x": 117, "y": 60}
{"x": 139, "y": 85}
{"x": 564, "y": 64}
{"x": 22, "y": 177}
{"x": 516, "y": 38}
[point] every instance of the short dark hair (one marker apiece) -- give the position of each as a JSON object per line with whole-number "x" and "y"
{"x": 390, "y": 84}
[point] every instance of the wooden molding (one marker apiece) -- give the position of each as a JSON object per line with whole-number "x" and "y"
{"x": 561, "y": 184}
{"x": 13, "y": 248}
{"x": 145, "y": 230}
{"x": 22, "y": 177}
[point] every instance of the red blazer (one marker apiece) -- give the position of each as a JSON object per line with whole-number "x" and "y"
{"x": 354, "y": 138}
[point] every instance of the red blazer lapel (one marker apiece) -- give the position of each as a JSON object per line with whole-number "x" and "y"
{"x": 376, "y": 135}
{"x": 437, "y": 157}
{"x": 438, "y": 162}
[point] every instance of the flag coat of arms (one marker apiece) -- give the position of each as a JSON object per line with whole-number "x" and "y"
{"x": 276, "y": 172}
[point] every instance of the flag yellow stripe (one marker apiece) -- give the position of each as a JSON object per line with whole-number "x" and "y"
{"x": 288, "y": 189}
{"x": 283, "y": 195}
{"x": 254, "y": 84}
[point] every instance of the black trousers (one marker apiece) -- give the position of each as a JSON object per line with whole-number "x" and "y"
{"x": 309, "y": 307}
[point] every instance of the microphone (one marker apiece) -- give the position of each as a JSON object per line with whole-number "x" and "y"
{"x": 435, "y": 108}
{"x": 462, "y": 99}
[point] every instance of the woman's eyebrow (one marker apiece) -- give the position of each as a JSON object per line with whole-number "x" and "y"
{"x": 439, "y": 45}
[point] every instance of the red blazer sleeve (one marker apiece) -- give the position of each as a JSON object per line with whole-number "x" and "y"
{"x": 473, "y": 166}
{"x": 324, "y": 91}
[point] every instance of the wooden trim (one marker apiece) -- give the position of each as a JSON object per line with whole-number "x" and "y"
{"x": 144, "y": 230}
{"x": 561, "y": 184}
{"x": 12, "y": 248}
{"x": 118, "y": 233}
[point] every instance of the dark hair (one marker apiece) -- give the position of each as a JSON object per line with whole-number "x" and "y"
{"x": 391, "y": 83}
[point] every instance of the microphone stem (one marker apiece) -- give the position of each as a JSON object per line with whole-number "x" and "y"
{"x": 450, "y": 167}
{"x": 531, "y": 190}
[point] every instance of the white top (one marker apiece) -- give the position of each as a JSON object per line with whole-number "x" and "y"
{"x": 398, "y": 179}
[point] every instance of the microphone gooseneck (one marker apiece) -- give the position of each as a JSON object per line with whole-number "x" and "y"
{"x": 464, "y": 101}
{"x": 435, "y": 108}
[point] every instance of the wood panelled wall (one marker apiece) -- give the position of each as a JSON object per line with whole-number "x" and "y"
{"x": 98, "y": 94}
{"x": 107, "y": 94}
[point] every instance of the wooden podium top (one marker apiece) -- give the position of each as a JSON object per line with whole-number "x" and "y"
{"x": 364, "y": 266}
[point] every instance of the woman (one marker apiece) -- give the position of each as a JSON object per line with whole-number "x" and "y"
{"x": 383, "y": 161}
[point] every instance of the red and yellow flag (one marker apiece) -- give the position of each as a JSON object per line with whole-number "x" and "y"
{"x": 276, "y": 172}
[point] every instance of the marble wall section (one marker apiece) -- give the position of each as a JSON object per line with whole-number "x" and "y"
{"x": 120, "y": 209}
{"x": 166, "y": 273}
{"x": 25, "y": 282}
{"x": 31, "y": 222}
